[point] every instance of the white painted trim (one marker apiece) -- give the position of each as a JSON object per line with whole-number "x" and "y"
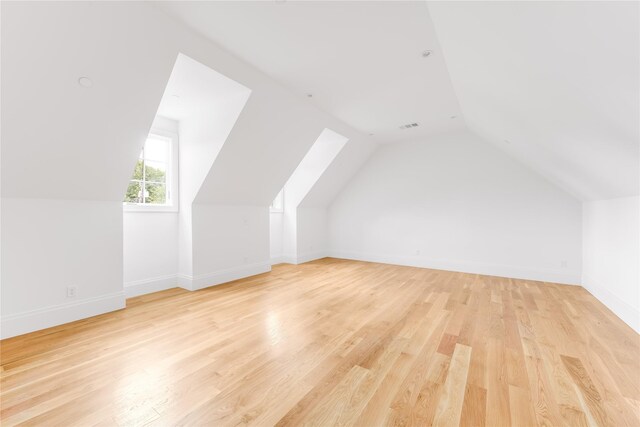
{"x": 312, "y": 256}
{"x": 140, "y": 208}
{"x": 300, "y": 259}
{"x": 563, "y": 276}
{"x": 185, "y": 281}
{"x": 147, "y": 286}
{"x": 625, "y": 311}
{"x": 167, "y": 129}
{"x": 193, "y": 283}
{"x": 277, "y": 260}
{"x": 34, "y": 320}
{"x": 289, "y": 259}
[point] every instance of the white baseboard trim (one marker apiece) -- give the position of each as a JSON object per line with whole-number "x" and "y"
{"x": 289, "y": 259}
{"x": 147, "y": 286}
{"x": 301, "y": 259}
{"x": 193, "y": 283}
{"x": 277, "y": 260}
{"x": 544, "y": 275}
{"x": 627, "y": 313}
{"x": 34, "y": 320}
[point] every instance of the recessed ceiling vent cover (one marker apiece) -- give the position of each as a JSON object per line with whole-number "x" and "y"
{"x": 409, "y": 126}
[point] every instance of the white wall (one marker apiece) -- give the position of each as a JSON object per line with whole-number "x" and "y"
{"x": 341, "y": 170}
{"x": 48, "y": 245}
{"x": 231, "y": 242}
{"x": 457, "y": 203}
{"x": 61, "y": 216}
{"x": 313, "y": 233}
{"x": 150, "y": 238}
{"x": 311, "y": 168}
{"x": 207, "y": 108}
{"x": 150, "y": 250}
{"x": 462, "y": 204}
{"x": 275, "y": 236}
{"x": 611, "y": 255}
{"x": 312, "y": 227}
{"x": 108, "y": 124}
{"x": 289, "y": 231}
{"x": 269, "y": 139}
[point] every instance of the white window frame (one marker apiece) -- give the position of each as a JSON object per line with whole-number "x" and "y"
{"x": 172, "y": 204}
{"x": 273, "y": 209}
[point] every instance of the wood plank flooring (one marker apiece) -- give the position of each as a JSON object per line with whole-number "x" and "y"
{"x": 334, "y": 342}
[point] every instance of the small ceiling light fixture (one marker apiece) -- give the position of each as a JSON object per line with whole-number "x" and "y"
{"x": 507, "y": 141}
{"x": 85, "y": 82}
{"x": 371, "y": 134}
{"x": 453, "y": 117}
{"x": 427, "y": 53}
{"x": 309, "y": 95}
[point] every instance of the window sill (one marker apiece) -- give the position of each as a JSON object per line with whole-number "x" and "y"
{"x": 149, "y": 208}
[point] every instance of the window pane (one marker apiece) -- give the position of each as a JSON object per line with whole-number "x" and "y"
{"x": 155, "y": 172}
{"x": 156, "y": 194}
{"x": 134, "y": 193}
{"x": 148, "y": 183}
{"x": 137, "y": 171}
{"x": 156, "y": 149}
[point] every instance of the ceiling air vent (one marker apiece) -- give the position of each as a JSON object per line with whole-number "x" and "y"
{"x": 409, "y": 126}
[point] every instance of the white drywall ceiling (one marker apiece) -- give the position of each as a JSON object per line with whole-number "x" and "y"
{"x": 207, "y": 105}
{"x": 346, "y": 164}
{"x": 62, "y": 140}
{"x": 194, "y": 88}
{"x": 361, "y": 61}
{"x": 558, "y": 80}
{"x": 312, "y": 167}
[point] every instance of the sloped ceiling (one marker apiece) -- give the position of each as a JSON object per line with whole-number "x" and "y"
{"x": 313, "y": 166}
{"x": 558, "y": 80}
{"x": 361, "y": 61}
{"x": 556, "y": 84}
{"x": 207, "y": 105}
{"x": 62, "y": 140}
{"x": 270, "y": 137}
{"x": 346, "y": 164}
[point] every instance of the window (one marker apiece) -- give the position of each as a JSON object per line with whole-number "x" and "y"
{"x": 278, "y": 203}
{"x": 152, "y": 184}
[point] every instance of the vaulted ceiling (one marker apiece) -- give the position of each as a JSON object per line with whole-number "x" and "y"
{"x": 62, "y": 140}
{"x": 554, "y": 84}
{"x": 361, "y": 61}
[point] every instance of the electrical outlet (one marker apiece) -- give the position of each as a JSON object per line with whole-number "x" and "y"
{"x": 72, "y": 291}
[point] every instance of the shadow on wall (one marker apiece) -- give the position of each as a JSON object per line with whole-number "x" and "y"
{"x": 199, "y": 108}
{"x": 292, "y": 242}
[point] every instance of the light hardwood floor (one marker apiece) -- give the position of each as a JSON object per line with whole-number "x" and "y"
{"x": 334, "y": 342}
